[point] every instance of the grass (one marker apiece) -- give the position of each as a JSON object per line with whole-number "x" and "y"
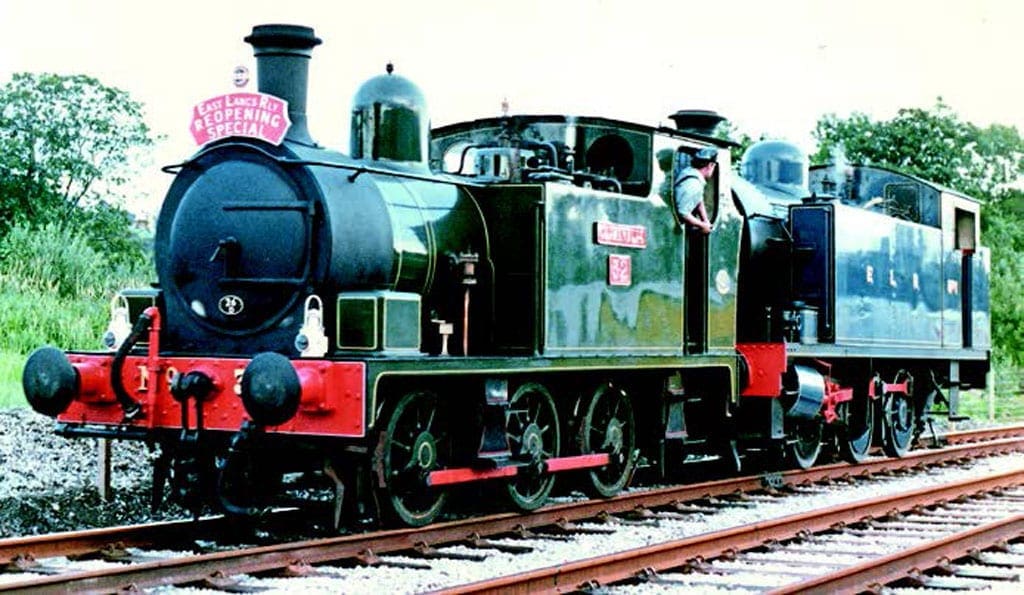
{"x": 1007, "y": 406}
{"x": 10, "y": 380}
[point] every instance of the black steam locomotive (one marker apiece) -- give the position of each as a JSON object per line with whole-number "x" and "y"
{"x": 503, "y": 302}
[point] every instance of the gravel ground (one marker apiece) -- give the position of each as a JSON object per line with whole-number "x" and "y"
{"x": 48, "y": 483}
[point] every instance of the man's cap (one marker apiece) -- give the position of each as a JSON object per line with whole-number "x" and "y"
{"x": 705, "y": 155}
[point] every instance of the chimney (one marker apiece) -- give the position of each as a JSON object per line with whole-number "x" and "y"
{"x": 282, "y": 68}
{"x": 697, "y": 121}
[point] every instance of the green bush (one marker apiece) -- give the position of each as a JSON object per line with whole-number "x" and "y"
{"x": 109, "y": 231}
{"x": 56, "y": 289}
{"x": 50, "y": 260}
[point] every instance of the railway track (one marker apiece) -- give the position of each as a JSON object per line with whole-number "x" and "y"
{"x": 984, "y": 546}
{"x": 476, "y": 535}
{"x": 693, "y": 553}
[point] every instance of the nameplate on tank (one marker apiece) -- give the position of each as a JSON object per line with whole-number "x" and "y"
{"x": 252, "y": 115}
{"x": 620, "y": 270}
{"x": 607, "y": 233}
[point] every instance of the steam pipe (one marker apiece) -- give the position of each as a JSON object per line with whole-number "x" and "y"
{"x": 130, "y": 406}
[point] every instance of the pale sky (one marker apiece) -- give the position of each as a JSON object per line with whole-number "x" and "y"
{"x": 772, "y": 67}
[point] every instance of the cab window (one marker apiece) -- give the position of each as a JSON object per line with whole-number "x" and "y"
{"x": 683, "y": 156}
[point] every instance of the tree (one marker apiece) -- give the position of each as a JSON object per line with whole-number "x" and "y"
{"x": 987, "y": 163}
{"x": 1003, "y": 229}
{"x": 936, "y": 145}
{"x": 726, "y": 130}
{"x": 66, "y": 142}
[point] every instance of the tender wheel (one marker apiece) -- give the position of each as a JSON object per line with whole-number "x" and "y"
{"x": 607, "y": 427}
{"x": 414, "y": 443}
{"x": 805, "y": 444}
{"x": 858, "y": 418}
{"x": 533, "y": 435}
{"x": 898, "y": 418}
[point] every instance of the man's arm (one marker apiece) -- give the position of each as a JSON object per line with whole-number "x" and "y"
{"x": 702, "y": 214}
{"x": 700, "y": 223}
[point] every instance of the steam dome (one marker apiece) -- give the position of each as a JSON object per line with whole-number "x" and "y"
{"x": 777, "y": 164}
{"x": 390, "y": 121}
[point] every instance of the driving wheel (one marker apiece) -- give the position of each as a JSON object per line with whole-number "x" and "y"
{"x": 533, "y": 436}
{"x": 607, "y": 427}
{"x": 414, "y": 443}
